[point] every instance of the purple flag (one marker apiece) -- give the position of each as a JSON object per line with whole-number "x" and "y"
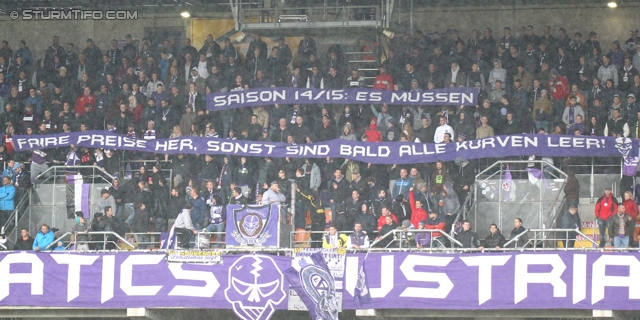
{"x": 508, "y": 187}
{"x": 361, "y": 293}
{"x": 253, "y": 225}
{"x": 311, "y": 279}
{"x": 168, "y": 240}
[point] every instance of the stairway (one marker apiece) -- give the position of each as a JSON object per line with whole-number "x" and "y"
{"x": 364, "y": 57}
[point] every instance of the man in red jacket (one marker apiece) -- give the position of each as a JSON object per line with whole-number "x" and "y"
{"x": 383, "y": 81}
{"x": 417, "y": 213}
{"x": 383, "y": 218}
{"x": 435, "y": 221}
{"x": 606, "y": 206}
{"x": 558, "y": 86}
{"x": 86, "y": 98}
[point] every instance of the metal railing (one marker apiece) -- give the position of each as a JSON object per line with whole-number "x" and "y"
{"x": 462, "y": 211}
{"x": 309, "y": 243}
{"x": 542, "y": 238}
{"x": 336, "y": 15}
{"x": 402, "y": 237}
{"x": 18, "y": 212}
{"x": 90, "y": 240}
{"x": 88, "y": 172}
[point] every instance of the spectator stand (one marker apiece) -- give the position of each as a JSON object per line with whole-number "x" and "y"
{"x": 530, "y": 190}
{"x": 52, "y": 197}
{"x": 130, "y": 169}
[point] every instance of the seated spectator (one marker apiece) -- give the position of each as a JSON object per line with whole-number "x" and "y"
{"x": 493, "y": 240}
{"x": 44, "y": 238}
{"x": 183, "y": 227}
{"x": 358, "y": 239}
{"x": 24, "y": 242}
{"x": 466, "y": 236}
{"x": 333, "y": 239}
{"x": 422, "y": 239}
{"x": 436, "y": 222}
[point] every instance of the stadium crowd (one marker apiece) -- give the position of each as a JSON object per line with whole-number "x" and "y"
{"x": 552, "y": 82}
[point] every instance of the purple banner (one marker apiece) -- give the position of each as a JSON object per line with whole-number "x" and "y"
{"x": 535, "y": 280}
{"x": 251, "y": 285}
{"x": 367, "y": 152}
{"x": 254, "y": 285}
{"x": 266, "y": 96}
{"x": 314, "y": 284}
{"x": 252, "y": 225}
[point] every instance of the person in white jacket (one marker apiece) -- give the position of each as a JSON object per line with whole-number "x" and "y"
{"x": 183, "y": 227}
{"x": 273, "y": 195}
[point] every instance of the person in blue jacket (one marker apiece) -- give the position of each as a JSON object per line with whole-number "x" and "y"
{"x": 44, "y": 238}
{"x": 7, "y": 195}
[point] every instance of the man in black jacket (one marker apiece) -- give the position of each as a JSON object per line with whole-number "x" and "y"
{"x": 570, "y": 220}
{"x": 494, "y": 240}
{"x": 176, "y": 204}
{"x": 518, "y": 229}
{"x": 467, "y": 237}
{"x": 24, "y": 242}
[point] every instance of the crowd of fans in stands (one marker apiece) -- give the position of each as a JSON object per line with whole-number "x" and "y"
{"x": 551, "y": 82}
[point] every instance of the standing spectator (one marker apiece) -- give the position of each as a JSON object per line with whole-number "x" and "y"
{"x": 44, "y": 238}
{"x": 7, "y": 195}
{"x": 608, "y": 71}
{"x": 621, "y": 228}
{"x": 606, "y": 206}
{"x": 559, "y": 87}
{"x": 24, "y": 242}
{"x": 518, "y": 229}
{"x": 438, "y": 137}
{"x": 197, "y": 210}
{"x": 106, "y": 200}
{"x": 141, "y": 224}
{"x": 571, "y": 189}
{"x": 176, "y": 204}
{"x": 306, "y": 49}
{"x": 417, "y": 212}
{"x": 570, "y": 220}
{"x": 388, "y": 226}
{"x": 403, "y": 184}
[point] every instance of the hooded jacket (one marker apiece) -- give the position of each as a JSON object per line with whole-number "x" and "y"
{"x": 373, "y": 134}
{"x": 497, "y": 74}
{"x": 558, "y": 87}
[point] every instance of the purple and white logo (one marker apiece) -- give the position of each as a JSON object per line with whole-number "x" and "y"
{"x": 251, "y": 225}
{"x": 319, "y": 285}
{"x": 256, "y": 287}
{"x": 623, "y": 145}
